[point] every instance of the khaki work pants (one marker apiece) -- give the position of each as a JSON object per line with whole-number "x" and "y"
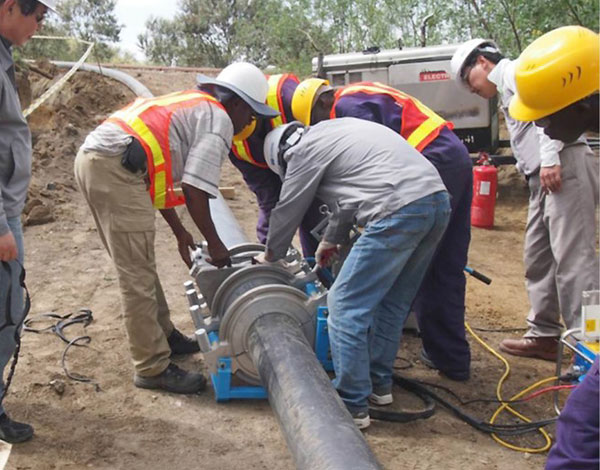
{"x": 124, "y": 217}
{"x": 560, "y": 244}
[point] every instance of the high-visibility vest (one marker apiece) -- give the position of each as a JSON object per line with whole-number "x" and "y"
{"x": 148, "y": 120}
{"x": 241, "y": 149}
{"x": 420, "y": 125}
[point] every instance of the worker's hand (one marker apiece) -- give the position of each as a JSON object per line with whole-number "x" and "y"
{"x": 8, "y": 247}
{"x": 326, "y": 253}
{"x": 219, "y": 255}
{"x": 550, "y": 178}
{"x": 185, "y": 243}
{"x": 263, "y": 258}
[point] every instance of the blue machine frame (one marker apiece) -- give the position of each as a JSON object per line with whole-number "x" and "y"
{"x": 221, "y": 380}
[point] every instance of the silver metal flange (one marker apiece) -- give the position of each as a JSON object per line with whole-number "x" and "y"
{"x": 260, "y": 301}
{"x": 244, "y": 280}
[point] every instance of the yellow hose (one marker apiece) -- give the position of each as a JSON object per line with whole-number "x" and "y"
{"x": 507, "y": 407}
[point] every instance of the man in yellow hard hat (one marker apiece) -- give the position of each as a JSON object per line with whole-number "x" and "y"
{"x": 560, "y": 263}
{"x": 557, "y": 83}
{"x": 557, "y": 87}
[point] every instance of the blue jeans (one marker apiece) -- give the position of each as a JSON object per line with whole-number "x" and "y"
{"x": 373, "y": 293}
{"x": 7, "y": 334}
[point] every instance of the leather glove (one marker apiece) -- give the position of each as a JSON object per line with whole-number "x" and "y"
{"x": 326, "y": 253}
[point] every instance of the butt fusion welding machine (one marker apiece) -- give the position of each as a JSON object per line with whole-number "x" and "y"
{"x": 231, "y": 299}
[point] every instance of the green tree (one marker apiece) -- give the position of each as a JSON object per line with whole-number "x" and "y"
{"x": 89, "y": 20}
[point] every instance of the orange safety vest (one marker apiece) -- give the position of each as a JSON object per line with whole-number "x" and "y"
{"x": 241, "y": 149}
{"x": 420, "y": 125}
{"x": 148, "y": 120}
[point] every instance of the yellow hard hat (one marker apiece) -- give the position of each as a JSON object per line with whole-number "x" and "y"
{"x": 304, "y": 98}
{"x": 554, "y": 71}
{"x": 245, "y": 132}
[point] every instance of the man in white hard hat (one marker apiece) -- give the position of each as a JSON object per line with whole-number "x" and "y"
{"x": 134, "y": 163}
{"x": 19, "y": 20}
{"x": 560, "y": 263}
{"x": 402, "y": 203}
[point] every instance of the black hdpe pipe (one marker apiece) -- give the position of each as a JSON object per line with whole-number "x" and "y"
{"x": 318, "y": 428}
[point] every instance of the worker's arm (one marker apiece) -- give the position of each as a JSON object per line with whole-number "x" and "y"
{"x": 185, "y": 241}
{"x": 196, "y": 201}
{"x": 209, "y": 143}
{"x": 550, "y": 170}
{"x": 299, "y": 189}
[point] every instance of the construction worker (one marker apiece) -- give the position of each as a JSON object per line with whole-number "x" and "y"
{"x": 19, "y": 20}
{"x": 560, "y": 263}
{"x": 556, "y": 78}
{"x": 404, "y": 208}
{"x": 440, "y": 304}
{"x": 130, "y": 165}
{"x": 557, "y": 83}
{"x": 247, "y": 156}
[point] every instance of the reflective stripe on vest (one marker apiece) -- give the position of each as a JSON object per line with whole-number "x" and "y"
{"x": 420, "y": 125}
{"x": 275, "y": 100}
{"x": 148, "y": 120}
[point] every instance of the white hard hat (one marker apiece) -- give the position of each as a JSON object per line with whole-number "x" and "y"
{"x": 51, "y": 4}
{"x": 463, "y": 54}
{"x": 246, "y": 81}
{"x": 277, "y": 142}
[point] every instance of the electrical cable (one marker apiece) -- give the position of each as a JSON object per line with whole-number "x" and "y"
{"x": 499, "y": 330}
{"x": 483, "y": 426}
{"x": 546, "y": 390}
{"x": 506, "y": 406}
{"x": 83, "y": 316}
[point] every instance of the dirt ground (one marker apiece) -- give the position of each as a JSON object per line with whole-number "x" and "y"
{"x": 120, "y": 427}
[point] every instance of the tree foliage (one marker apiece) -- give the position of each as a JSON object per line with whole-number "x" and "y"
{"x": 286, "y": 34}
{"x": 89, "y": 20}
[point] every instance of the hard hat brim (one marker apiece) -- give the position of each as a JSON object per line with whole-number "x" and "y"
{"x": 521, "y": 112}
{"x": 261, "y": 109}
{"x": 51, "y": 8}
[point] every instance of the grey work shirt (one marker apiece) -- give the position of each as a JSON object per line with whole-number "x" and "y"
{"x": 199, "y": 139}
{"x": 15, "y": 143}
{"x": 351, "y": 162}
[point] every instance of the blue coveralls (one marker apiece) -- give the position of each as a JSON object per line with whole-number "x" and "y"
{"x": 266, "y": 185}
{"x": 577, "y": 438}
{"x": 440, "y": 304}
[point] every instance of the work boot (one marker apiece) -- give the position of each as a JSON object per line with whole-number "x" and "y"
{"x": 14, "y": 432}
{"x": 173, "y": 379}
{"x": 181, "y": 344}
{"x": 543, "y": 348}
{"x": 456, "y": 375}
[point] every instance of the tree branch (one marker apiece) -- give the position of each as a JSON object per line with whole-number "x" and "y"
{"x": 574, "y": 12}
{"x": 485, "y": 24}
{"x": 512, "y": 24}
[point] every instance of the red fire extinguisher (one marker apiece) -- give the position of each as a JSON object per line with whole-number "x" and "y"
{"x": 485, "y": 182}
